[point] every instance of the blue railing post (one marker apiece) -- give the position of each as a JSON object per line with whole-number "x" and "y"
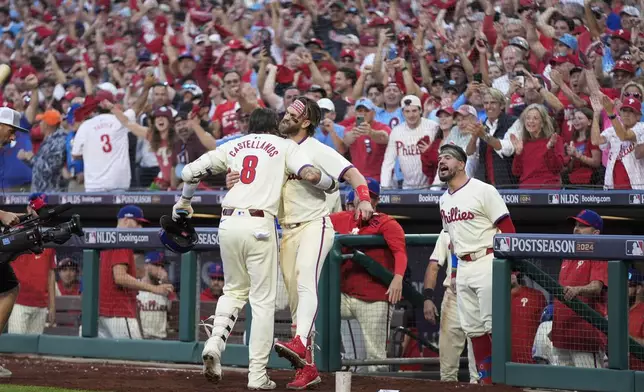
{"x": 501, "y": 323}
{"x": 188, "y": 297}
{"x": 618, "y": 315}
{"x": 89, "y": 297}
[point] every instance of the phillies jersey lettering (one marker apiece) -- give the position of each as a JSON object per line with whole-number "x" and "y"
{"x": 270, "y": 149}
{"x": 455, "y": 214}
{"x": 623, "y": 151}
{"x": 469, "y": 215}
{"x": 403, "y": 146}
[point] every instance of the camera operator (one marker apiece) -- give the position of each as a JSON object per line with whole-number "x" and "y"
{"x": 36, "y": 303}
{"x": 9, "y": 125}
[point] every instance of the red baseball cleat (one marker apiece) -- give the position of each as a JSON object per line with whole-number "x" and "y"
{"x": 293, "y": 351}
{"x": 305, "y": 377}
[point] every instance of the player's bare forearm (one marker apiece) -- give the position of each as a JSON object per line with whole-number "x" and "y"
{"x": 591, "y": 289}
{"x": 317, "y": 178}
{"x": 123, "y": 279}
{"x": 354, "y": 178}
{"x": 431, "y": 274}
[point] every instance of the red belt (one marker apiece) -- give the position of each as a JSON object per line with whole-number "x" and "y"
{"x": 469, "y": 257}
{"x": 255, "y": 213}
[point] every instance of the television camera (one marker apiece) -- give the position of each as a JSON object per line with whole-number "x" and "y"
{"x": 30, "y": 236}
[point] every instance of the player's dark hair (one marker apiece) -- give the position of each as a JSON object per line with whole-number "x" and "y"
{"x": 263, "y": 120}
{"x": 312, "y": 112}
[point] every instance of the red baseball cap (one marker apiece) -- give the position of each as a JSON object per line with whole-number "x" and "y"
{"x": 348, "y": 53}
{"x": 625, "y": 66}
{"x": 449, "y": 110}
{"x": 632, "y": 103}
{"x": 622, "y": 34}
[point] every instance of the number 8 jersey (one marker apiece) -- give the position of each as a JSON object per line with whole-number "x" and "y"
{"x": 264, "y": 162}
{"x": 102, "y": 141}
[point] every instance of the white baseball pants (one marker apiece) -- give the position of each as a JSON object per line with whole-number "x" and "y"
{"x": 248, "y": 247}
{"x": 27, "y": 320}
{"x": 118, "y": 328}
{"x": 303, "y": 251}
{"x": 451, "y": 341}
{"x": 374, "y": 319}
{"x": 474, "y": 295}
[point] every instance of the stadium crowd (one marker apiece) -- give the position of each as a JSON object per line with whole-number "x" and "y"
{"x": 121, "y": 95}
{"x": 509, "y": 81}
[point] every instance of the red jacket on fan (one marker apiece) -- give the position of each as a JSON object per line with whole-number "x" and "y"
{"x": 429, "y": 159}
{"x": 33, "y": 272}
{"x": 527, "y": 306}
{"x": 114, "y": 300}
{"x": 539, "y": 167}
{"x": 356, "y": 281}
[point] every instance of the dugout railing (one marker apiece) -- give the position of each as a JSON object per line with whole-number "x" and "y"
{"x": 511, "y": 253}
{"x": 187, "y": 348}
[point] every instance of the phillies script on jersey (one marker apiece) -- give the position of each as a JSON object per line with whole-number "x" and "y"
{"x": 255, "y": 144}
{"x": 455, "y": 214}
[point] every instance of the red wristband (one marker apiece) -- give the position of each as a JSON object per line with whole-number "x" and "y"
{"x": 362, "y": 191}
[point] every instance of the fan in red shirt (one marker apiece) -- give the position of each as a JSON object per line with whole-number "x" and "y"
{"x": 216, "y": 287}
{"x": 576, "y": 342}
{"x": 119, "y": 285}
{"x": 68, "y": 283}
{"x": 527, "y": 306}
{"x": 586, "y": 158}
{"x": 367, "y": 139}
{"x": 364, "y": 298}
{"x": 636, "y": 315}
{"x": 539, "y": 154}
{"x": 225, "y": 117}
{"x": 36, "y": 302}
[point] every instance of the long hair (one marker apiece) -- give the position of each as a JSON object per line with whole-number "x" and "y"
{"x": 312, "y": 113}
{"x": 547, "y": 128}
{"x": 263, "y": 120}
{"x": 589, "y": 115}
{"x": 155, "y": 139}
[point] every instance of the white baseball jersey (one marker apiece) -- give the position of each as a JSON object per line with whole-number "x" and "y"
{"x": 153, "y": 311}
{"x": 263, "y": 162}
{"x": 624, "y": 151}
{"x": 301, "y": 201}
{"x": 442, "y": 254}
{"x": 469, "y": 215}
{"x": 103, "y": 143}
{"x": 333, "y": 202}
{"x": 403, "y": 145}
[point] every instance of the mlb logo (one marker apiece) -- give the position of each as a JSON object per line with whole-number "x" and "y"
{"x": 90, "y": 237}
{"x": 502, "y": 244}
{"x": 118, "y": 200}
{"x": 634, "y": 248}
{"x": 553, "y": 199}
{"x": 635, "y": 198}
{"x": 6, "y": 241}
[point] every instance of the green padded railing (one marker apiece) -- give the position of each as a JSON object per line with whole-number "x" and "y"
{"x": 331, "y": 303}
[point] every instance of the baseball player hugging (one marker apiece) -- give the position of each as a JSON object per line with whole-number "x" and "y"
{"x": 247, "y": 233}
{"x": 307, "y": 232}
{"x": 472, "y": 213}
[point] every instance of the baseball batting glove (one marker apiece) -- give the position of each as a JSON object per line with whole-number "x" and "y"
{"x": 182, "y": 205}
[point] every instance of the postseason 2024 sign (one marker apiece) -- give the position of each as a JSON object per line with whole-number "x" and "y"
{"x": 388, "y": 197}
{"x": 588, "y": 247}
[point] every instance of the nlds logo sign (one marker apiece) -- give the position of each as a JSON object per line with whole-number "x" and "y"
{"x": 563, "y": 199}
{"x": 100, "y": 237}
